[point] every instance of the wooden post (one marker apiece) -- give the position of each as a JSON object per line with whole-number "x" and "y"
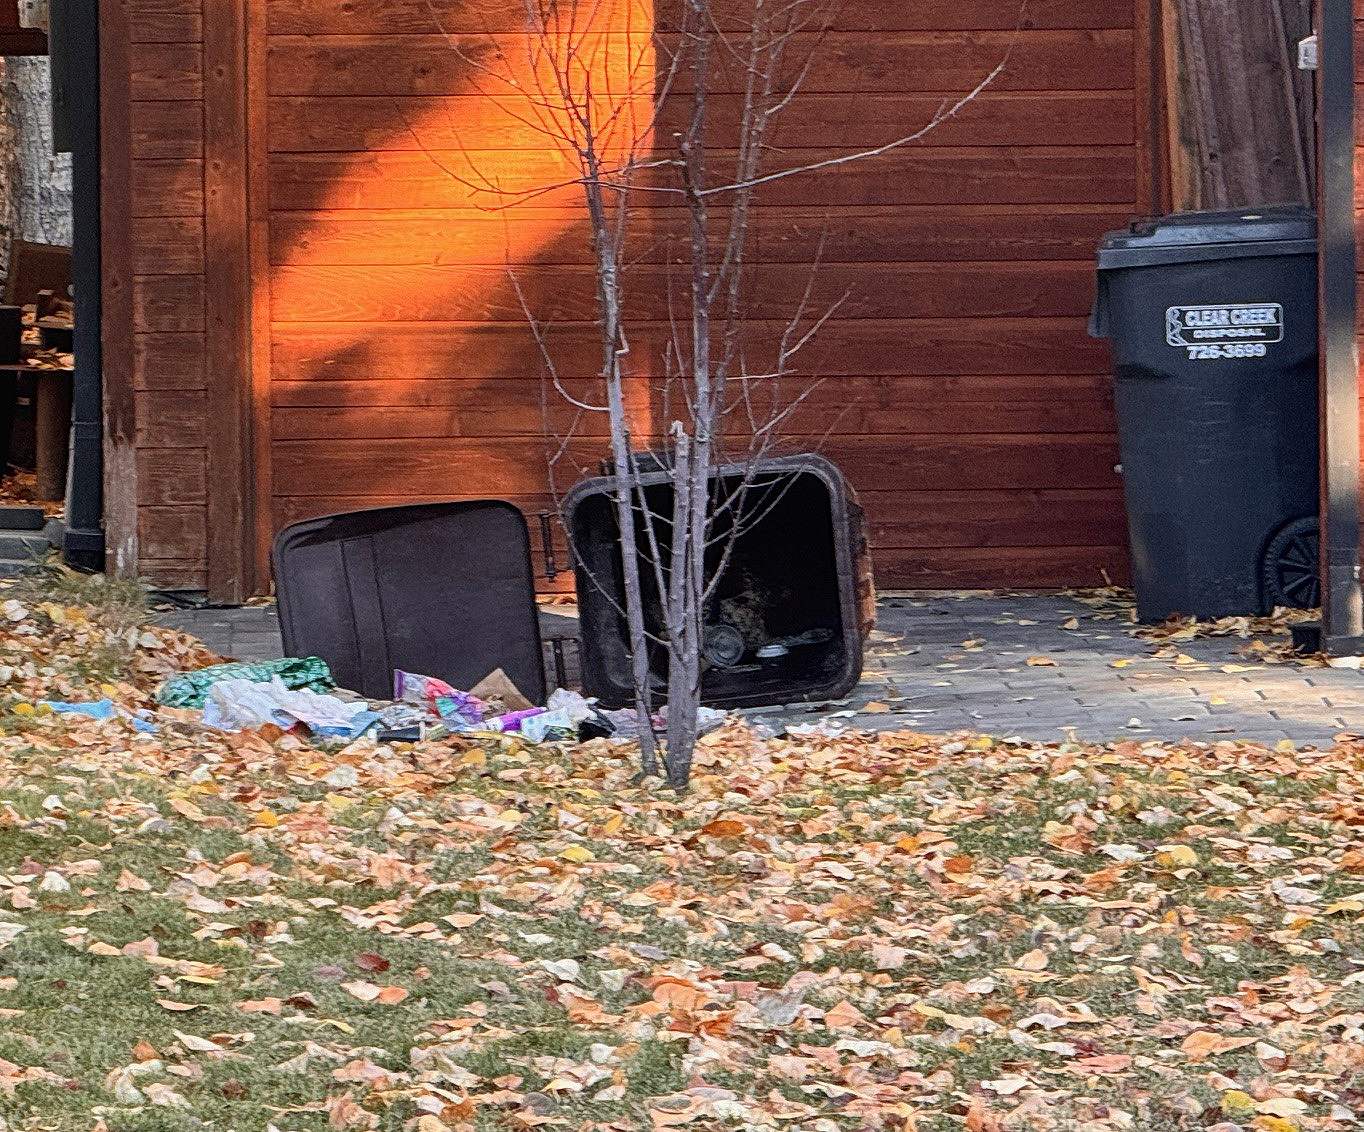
{"x": 227, "y": 336}
{"x": 116, "y": 267}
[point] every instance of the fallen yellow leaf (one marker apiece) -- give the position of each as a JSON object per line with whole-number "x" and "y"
{"x": 1176, "y": 857}
{"x": 1281, "y": 1106}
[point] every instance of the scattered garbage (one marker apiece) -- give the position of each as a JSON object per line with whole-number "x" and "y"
{"x": 298, "y": 693}
{"x": 104, "y": 709}
{"x": 236, "y": 705}
{"x": 441, "y": 699}
{"x": 190, "y": 689}
{"x": 625, "y": 721}
{"x": 499, "y": 694}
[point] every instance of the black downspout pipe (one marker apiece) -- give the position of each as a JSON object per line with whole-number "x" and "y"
{"x": 74, "y": 45}
{"x": 1343, "y": 604}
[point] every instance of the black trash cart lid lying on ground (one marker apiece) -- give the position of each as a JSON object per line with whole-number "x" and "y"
{"x": 443, "y": 589}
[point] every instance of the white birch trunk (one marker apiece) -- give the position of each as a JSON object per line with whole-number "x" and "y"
{"x": 35, "y": 183}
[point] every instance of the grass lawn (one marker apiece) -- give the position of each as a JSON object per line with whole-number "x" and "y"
{"x": 245, "y": 932}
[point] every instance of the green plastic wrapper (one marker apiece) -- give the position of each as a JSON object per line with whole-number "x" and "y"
{"x": 189, "y": 689}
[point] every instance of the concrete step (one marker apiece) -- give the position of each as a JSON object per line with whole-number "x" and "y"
{"x": 26, "y": 547}
{"x": 14, "y": 518}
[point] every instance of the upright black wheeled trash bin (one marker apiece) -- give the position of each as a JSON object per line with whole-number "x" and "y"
{"x": 1213, "y": 320}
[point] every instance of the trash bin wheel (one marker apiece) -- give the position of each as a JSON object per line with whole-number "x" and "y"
{"x": 1292, "y": 565}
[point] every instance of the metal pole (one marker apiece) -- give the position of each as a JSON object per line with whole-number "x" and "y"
{"x": 75, "y": 48}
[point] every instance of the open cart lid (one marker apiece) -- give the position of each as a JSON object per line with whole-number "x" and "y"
{"x": 443, "y": 589}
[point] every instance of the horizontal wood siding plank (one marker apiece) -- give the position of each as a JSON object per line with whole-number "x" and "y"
{"x": 816, "y": 121}
{"x": 294, "y": 508}
{"x": 171, "y": 477}
{"x": 168, "y": 302}
{"x": 167, "y": 71}
{"x": 786, "y": 235}
{"x": 168, "y": 129}
{"x": 168, "y": 361}
{"x": 928, "y": 463}
{"x": 149, "y": 11}
{"x": 168, "y": 245}
{"x": 932, "y": 520}
{"x": 397, "y": 17}
{"x": 908, "y": 347}
{"x": 879, "y": 392}
{"x": 1025, "y": 175}
{"x": 186, "y": 26}
{"x": 191, "y": 577}
{"x": 1024, "y": 568}
{"x": 844, "y": 62}
{"x": 836, "y": 408}
{"x": 168, "y": 188}
{"x": 172, "y": 419}
{"x": 565, "y": 294}
{"x": 177, "y": 533}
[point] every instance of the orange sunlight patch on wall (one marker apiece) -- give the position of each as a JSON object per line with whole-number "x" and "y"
{"x": 482, "y": 187}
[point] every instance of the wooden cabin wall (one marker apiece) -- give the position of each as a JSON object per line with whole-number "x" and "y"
{"x": 390, "y": 352}
{"x": 961, "y": 393}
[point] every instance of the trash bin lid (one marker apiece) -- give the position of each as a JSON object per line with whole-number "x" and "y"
{"x": 442, "y": 589}
{"x": 1197, "y": 237}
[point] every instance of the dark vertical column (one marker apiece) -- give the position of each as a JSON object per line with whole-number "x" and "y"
{"x": 74, "y": 40}
{"x": 1343, "y": 606}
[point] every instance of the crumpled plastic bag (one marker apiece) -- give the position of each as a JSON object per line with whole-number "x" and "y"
{"x": 453, "y": 706}
{"x": 563, "y": 716}
{"x": 237, "y": 705}
{"x": 102, "y": 710}
{"x": 626, "y": 721}
{"x": 190, "y": 689}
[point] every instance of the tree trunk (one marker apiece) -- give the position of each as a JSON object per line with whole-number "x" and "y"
{"x": 35, "y": 183}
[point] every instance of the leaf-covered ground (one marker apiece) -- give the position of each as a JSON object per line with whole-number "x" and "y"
{"x": 882, "y": 932}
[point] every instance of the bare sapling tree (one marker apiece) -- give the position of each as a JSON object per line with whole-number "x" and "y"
{"x": 658, "y": 157}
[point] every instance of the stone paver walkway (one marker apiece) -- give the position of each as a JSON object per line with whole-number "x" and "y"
{"x": 942, "y": 663}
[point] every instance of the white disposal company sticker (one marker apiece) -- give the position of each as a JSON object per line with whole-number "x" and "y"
{"x": 1236, "y": 330}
